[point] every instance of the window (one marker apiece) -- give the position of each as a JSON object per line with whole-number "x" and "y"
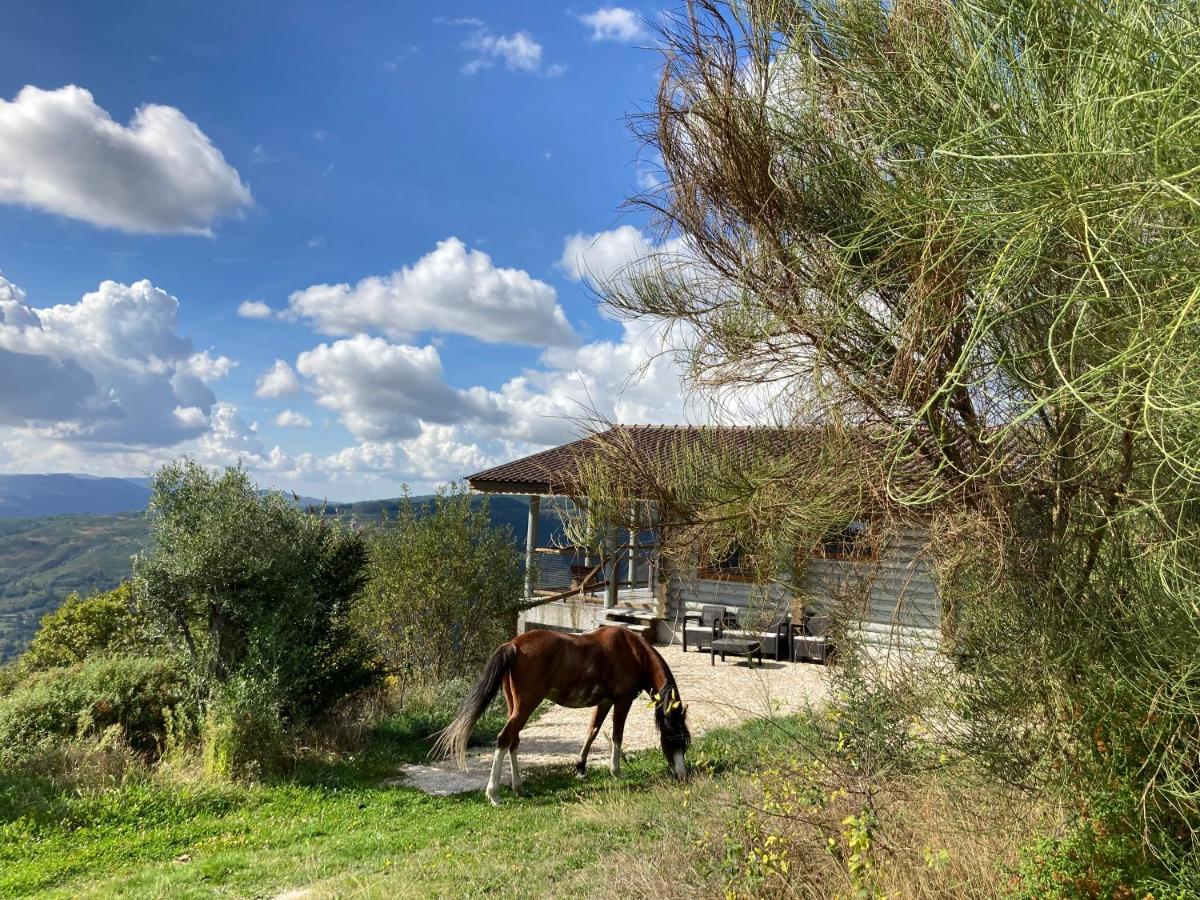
{"x": 851, "y": 542}
{"x": 727, "y": 568}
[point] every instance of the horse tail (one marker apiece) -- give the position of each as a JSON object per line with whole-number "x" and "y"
{"x": 452, "y": 740}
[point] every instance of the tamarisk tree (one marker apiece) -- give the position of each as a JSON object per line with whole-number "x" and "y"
{"x": 973, "y": 230}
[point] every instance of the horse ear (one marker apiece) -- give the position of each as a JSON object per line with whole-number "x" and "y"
{"x": 685, "y": 709}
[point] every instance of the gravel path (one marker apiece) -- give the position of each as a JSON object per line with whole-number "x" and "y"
{"x": 717, "y": 696}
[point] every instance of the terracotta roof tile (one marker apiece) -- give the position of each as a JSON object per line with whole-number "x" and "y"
{"x": 555, "y": 470}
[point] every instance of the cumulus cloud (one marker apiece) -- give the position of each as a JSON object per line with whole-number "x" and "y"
{"x": 254, "y": 309}
{"x": 278, "y": 381}
{"x": 51, "y": 390}
{"x": 383, "y": 391}
{"x": 599, "y": 257}
{"x": 229, "y": 439}
{"x": 610, "y": 257}
{"x": 109, "y": 369}
{"x": 614, "y": 23}
{"x": 289, "y": 418}
{"x": 207, "y": 367}
{"x": 451, "y": 289}
{"x": 62, "y": 153}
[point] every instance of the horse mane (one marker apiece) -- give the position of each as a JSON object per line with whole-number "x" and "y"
{"x": 668, "y": 676}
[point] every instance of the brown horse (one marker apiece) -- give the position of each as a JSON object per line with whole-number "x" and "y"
{"x": 606, "y": 668}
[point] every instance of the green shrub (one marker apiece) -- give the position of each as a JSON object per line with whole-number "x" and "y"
{"x": 243, "y": 731}
{"x": 85, "y": 701}
{"x": 444, "y": 589}
{"x": 82, "y": 627}
{"x": 1104, "y": 852}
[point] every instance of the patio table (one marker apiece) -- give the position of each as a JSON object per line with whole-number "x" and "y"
{"x": 739, "y": 646}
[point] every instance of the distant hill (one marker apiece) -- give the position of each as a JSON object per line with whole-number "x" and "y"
{"x": 45, "y": 558}
{"x": 504, "y": 510}
{"x": 69, "y": 494}
{"x": 23, "y": 496}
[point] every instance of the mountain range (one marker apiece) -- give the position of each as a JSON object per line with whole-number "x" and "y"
{"x": 66, "y": 494}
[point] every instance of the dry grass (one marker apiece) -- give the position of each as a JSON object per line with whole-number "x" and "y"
{"x": 935, "y": 836}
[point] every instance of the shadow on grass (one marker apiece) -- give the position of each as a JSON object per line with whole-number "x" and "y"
{"x": 725, "y": 751}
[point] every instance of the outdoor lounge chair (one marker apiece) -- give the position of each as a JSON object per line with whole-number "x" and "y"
{"x": 812, "y": 640}
{"x": 704, "y": 627}
{"x": 772, "y": 631}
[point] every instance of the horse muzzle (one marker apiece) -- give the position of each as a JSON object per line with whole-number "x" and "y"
{"x": 678, "y": 767}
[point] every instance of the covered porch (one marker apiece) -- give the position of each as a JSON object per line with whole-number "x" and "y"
{"x": 574, "y": 588}
{"x": 884, "y": 592}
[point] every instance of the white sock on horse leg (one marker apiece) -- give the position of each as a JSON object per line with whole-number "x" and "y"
{"x": 614, "y": 764}
{"x": 516, "y": 771}
{"x": 493, "y": 785}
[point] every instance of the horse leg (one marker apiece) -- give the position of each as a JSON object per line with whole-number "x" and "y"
{"x": 598, "y": 715}
{"x": 620, "y": 711}
{"x": 517, "y": 785}
{"x": 507, "y": 741}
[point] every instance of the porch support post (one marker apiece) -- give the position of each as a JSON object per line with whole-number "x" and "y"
{"x": 531, "y": 536}
{"x": 634, "y": 534}
{"x": 611, "y": 567}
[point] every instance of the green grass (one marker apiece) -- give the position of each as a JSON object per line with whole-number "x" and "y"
{"x": 337, "y": 829}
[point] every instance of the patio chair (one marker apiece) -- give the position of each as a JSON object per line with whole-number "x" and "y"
{"x": 772, "y": 631}
{"x": 813, "y": 640}
{"x": 704, "y": 627}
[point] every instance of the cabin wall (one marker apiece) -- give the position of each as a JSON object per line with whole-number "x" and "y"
{"x": 890, "y": 602}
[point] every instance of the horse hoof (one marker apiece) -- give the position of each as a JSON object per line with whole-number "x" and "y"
{"x": 580, "y": 772}
{"x": 493, "y": 799}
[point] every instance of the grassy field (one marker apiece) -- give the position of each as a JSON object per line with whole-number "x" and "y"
{"x": 345, "y": 828}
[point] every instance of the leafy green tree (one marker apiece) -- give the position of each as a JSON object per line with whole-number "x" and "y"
{"x": 81, "y": 627}
{"x": 445, "y": 587}
{"x": 245, "y": 584}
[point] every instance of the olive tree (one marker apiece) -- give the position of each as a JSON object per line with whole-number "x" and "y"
{"x": 247, "y": 586}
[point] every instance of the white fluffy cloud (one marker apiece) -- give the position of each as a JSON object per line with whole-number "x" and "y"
{"x": 254, "y": 309}
{"x": 609, "y": 257}
{"x": 278, "y": 381}
{"x": 289, "y": 418}
{"x": 614, "y": 23}
{"x": 384, "y": 391}
{"x": 519, "y": 52}
{"x": 109, "y": 369}
{"x": 207, "y": 367}
{"x": 62, "y": 153}
{"x": 451, "y": 289}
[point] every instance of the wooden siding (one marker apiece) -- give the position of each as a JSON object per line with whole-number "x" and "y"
{"x": 892, "y": 601}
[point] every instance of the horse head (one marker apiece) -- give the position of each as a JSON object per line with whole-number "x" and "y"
{"x": 670, "y": 715}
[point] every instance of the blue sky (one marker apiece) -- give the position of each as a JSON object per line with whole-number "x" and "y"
{"x": 346, "y": 244}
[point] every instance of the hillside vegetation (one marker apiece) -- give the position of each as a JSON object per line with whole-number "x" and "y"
{"x": 44, "y": 559}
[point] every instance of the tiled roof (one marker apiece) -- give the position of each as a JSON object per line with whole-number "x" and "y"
{"x": 556, "y": 470}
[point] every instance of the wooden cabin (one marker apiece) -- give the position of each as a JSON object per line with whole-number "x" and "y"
{"x": 886, "y": 592}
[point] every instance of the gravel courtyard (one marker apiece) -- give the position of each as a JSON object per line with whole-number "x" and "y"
{"x": 717, "y": 696}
